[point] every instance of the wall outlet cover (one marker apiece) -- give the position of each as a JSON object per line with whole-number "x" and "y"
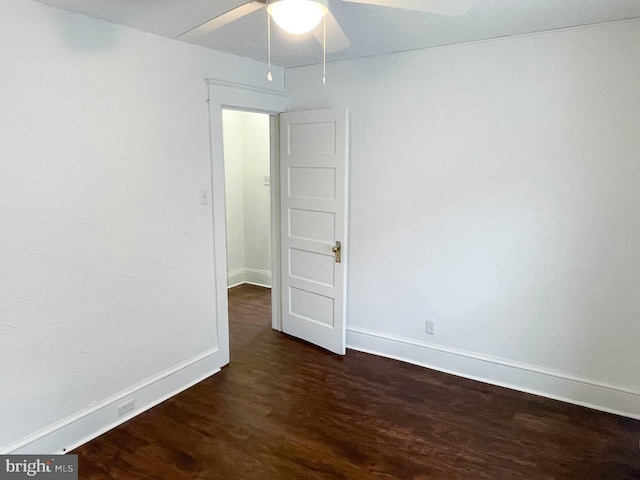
{"x": 430, "y": 327}
{"x": 126, "y": 408}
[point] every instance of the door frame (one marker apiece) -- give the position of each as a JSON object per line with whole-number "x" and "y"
{"x": 233, "y": 96}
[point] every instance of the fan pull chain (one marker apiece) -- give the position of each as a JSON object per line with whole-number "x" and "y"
{"x": 269, "y": 76}
{"x": 324, "y": 50}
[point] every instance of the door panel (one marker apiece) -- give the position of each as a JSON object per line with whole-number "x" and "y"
{"x": 312, "y": 182}
{"x": 312, "y": 267}
{"x": 313, "y": 170}
{"x": 312, "y": 225}
{"x": 316, "y": 138}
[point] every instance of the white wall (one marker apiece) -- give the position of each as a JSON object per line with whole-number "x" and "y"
{"x": 234, "y": 193}
{"x": 257, "y": 201}
{"x": 106, "y": 255}
{"x": 246, "y": 151}
{"x": 495, "y": 189}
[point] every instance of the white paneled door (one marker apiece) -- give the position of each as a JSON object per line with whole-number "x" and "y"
{"x": 313, "y": 179}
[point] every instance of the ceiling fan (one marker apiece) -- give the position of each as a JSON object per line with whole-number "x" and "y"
{"x": 302, "y": 16}
{"x": 292, "y": 15}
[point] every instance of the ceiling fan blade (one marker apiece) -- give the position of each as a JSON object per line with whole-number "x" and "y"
{"x": 336, "y": 38}
{"x": 222, "y": 20}
{"x": 440, "y": 7}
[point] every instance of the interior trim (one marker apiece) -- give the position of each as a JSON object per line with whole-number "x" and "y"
{"x": 523, "y": 377}
{"x": 65, "y": 435}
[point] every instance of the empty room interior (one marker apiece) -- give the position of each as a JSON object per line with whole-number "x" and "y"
{"x": 396, "y": 239}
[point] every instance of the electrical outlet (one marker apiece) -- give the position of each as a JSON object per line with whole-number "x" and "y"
{"x": 127, "y": 407}
{"x": 430, "y": 327}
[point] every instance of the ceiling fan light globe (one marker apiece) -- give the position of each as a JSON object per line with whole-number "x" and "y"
{"x": 297, "y": 16}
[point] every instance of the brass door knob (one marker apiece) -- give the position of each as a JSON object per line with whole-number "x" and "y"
{"x": 336, "y": 249}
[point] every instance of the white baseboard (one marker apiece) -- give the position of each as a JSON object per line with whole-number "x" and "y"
{"x": 496, "y": 371}
{"x": 254, "y": 276}
{"x": 88, "y": 424}
{"x": 235, "y": 277}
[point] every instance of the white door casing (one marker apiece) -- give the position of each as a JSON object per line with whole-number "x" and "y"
{"x": 229, "y": 95}
{"x": 313, "y": 196}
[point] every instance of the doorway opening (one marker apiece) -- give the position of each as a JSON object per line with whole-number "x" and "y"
{"x": 309, "y": 164}
{"x": 247, "y": 166}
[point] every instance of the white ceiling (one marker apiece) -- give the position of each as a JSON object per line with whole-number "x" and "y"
{"x": 372, "y": 30}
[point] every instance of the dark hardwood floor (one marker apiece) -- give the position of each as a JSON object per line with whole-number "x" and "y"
{"x": 285, "y": 409}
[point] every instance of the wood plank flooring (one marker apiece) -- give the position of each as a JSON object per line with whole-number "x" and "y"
{"x": 285, "y": 409}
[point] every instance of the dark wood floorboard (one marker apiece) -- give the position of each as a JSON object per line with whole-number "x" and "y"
{"x": 285, "y": 409}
